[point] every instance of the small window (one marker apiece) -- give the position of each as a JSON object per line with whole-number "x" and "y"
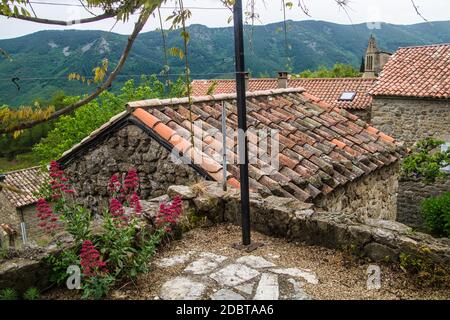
{"x": 444, "y": 148}
{"x": 347, "y": 96}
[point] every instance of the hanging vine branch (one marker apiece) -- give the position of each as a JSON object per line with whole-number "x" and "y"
{"x": 143, "y": 17}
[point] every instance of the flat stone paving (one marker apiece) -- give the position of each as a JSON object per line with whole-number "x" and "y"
{"x": 209, "y": 276}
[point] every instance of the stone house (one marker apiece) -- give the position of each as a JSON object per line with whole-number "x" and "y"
{"x": 17, "y": 208}
{"x": 326, "y": 155}
{"x": 411, "y": 99}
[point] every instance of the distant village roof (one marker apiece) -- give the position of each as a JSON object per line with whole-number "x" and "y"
{"x": 29, "y": 181}
{"x": 421, "y": 72}
{"x": 321, "y": 147}
{"x": 328, "y": 89}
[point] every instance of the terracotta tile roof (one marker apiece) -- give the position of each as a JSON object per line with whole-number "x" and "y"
{"x": 328, "y": 89}
{"x": 321, "y": 147}
{"x": 422, "y": 72}
{"x": 29, "y": 181}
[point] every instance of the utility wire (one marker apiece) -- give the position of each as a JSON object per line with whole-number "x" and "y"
{"x": 162, "y": 7}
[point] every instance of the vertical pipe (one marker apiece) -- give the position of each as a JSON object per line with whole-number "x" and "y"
{"x": 224, "y": 145}
{"x": 242, "y": 119}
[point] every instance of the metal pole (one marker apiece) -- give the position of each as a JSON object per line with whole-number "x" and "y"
{"x": 224, "y": 145}
{"x": 242, "y": 120}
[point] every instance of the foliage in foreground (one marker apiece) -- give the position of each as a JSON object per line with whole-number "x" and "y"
{"x": 425, "y": 162}
{"x": 71, "y": 129}
{"x": 123, "y": 247}
{"x": 436, "y": 213}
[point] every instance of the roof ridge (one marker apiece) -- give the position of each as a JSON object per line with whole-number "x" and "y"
{"x": 21, "y": 170}
{"x": 426, "y": 45}
{"x": 215, "y": 97}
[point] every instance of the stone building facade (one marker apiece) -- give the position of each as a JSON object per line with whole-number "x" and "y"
{"x": 130, "y": 147}
{"x": 17, "y": 208}
{"x": 340, "y": 162}
{"x": 411, "y": 98}
{"x": 411, "y": 120}
{"x": 373, "y": 196}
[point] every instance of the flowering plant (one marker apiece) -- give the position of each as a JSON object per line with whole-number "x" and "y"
{"x": 122, "y": 249}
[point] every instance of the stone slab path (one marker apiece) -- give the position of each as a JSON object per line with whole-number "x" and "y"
{"x": 249, "y": 277}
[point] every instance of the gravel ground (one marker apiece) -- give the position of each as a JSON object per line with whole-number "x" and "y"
{"x": 339, "y": 276}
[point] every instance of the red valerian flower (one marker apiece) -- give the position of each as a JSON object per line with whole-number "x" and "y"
{"x": 59, "y": 181}
{"x": 169, "y": 213}
{"x": 114, "y": 184}
{"x": 131, "y": 182}
{"x": 135, "y": 203}
{"x": 117, "y": 211}
{"x": 91, "y": 262}
{"x": 46, "y": 216}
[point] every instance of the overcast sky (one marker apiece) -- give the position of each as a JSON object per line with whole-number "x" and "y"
{"x": 391, "y": 11}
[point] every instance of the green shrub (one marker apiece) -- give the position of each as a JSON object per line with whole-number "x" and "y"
{"x": 8, "y": 294}
{"x": 425, "y": 162}
{"x": 436, "y": 212}
{"x": 31, "y": 294}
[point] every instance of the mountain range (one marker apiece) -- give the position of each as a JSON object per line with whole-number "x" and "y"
{"x": 42, "y": 61}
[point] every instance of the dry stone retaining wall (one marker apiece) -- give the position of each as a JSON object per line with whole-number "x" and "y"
{"x": 377, "y": 239}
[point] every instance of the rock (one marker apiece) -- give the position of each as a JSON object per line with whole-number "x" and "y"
{"x": 379, "y": 252}
{"x": 173, "y": 261}
{"x": 245, "y": 288}
{"x": 226, "y": 294}
{"x": 185, "y": 192}
{"x": 309, "y": 276}
{"x": 182, "y": 288}
{"x": 207, "y": 263}
{"x": 234, "y": 274}
{"x": 255, "y": 262}
{"x": 298, "y": 292}
{"x": 213, "y": 257}
{"x": 205, "y": 203}
{"x": 201, "y": 266}
{"x": 268, "y": 288}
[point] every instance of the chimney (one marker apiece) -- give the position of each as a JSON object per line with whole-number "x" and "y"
{"x": 282, "y": 79}
{"x": 247, "y": 81}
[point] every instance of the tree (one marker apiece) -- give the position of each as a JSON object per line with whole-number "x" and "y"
{"x": 15, "y": 121}
{"x": 339, "y": 70}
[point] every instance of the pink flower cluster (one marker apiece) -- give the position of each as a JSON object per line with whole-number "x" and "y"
{"x": 131, "y": 182}
{"x": 48, "y": 220}
{"x": 90, "y": 260}
{"x": 125, "y": 194}
{"x": 59, "y": 182}
{"x": 169, "y": 213}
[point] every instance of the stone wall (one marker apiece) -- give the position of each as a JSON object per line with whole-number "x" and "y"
{"x": 130, "y": 147}
{"x": 410, "y": 195}
{"x": 410, "y": 120}
{"x": 8, "y": 213}
{"x": 374, "y": 195}
{"x": 363, "y": 114}
{"x": 34, "y": 232}
{"x": 376, "y": 239}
